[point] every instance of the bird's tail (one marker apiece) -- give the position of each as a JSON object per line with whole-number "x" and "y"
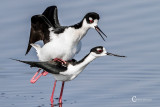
{"x": 37, "y": 47}
{"x": 32, "y": 64}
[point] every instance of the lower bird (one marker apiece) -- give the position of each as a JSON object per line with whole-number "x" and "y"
{"x": 71, "y": 69}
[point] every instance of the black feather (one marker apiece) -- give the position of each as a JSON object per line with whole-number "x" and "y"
{"x": 49, "y": 66}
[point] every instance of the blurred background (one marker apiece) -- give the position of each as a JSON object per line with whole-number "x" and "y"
{"x": 133, "y": 29}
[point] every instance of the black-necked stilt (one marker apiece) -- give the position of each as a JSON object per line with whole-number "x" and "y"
{"x": 61, "y": 42}
{"x": 71, "y": 69}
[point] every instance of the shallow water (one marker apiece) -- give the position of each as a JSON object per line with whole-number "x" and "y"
{"x": 132, "y": 27}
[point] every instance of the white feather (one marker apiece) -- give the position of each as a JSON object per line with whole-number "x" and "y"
{"x": 64, "y": 45}
{"x": 74, "y": 70}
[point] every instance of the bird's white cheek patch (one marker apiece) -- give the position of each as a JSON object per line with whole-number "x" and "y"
{"x": 95, "y": 22}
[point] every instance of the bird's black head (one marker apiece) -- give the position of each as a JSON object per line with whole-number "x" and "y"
{"x": 92, "y": 19}
{"x": 101, "y": 51}
{"x": 98, "y": 51}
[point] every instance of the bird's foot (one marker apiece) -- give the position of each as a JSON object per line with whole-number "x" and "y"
{"x": 59, "y": 60}
{"x": 51, "y": 101}
{"x": 60, "y": 101}
{"x": 35, "y": 77}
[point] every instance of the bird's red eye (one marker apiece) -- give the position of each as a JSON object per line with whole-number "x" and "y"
{"x": 91, "y": 21}
{"x": 100, "y": 51}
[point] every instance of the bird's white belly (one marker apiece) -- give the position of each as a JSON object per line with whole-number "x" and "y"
{"x": 63, "y": 46}
{"x": 65, "y": 77}
{"x": 71, "y": 73}
{"x": 58, "y": 48}
{"x": 60, "y": 77}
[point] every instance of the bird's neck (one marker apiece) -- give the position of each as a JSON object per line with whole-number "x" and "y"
{"x": 85, "y": 26}
{"x": 77, "y": 32}
{"x": 81, "y": 28}
{"x": 82, "y": 24}
{"x": 85, "y": 61}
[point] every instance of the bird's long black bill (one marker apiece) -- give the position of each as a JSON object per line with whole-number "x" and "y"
{"x": 100, "y": 31}
{"x": 110, "y": 54}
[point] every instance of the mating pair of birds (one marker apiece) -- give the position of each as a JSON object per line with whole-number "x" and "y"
{"x": 61, "y": 43}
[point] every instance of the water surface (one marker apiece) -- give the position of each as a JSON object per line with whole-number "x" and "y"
{"x": 132, "y": 27}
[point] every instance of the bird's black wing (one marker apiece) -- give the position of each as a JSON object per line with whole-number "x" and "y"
{"x": 51, "y": 67}
{"x": 39, "y": 30}
{"x": 51, "y": 13}
{"x": 40, "y": 25}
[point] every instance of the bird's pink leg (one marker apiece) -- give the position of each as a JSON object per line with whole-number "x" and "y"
{"x": 35, "y": 77}
{"x": 60, "y": 98}
{"x": 51, "y": 99}
{"x": 60, "y": 105}
{"x": 52, "y": 105}
{"x": 44, "y": 73}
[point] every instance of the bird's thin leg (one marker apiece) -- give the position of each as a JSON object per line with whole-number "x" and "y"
{"x": 59, "y": 60}
{"x": 44, "y": 73}
{"x": 51, "y": 99}
{"x": 60, "y": 105}
{"x": 52, "y": 105}
{"x": 35, "y": 77}
{"x": 60, "y": 98}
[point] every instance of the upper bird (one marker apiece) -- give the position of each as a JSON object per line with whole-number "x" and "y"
{"x": 61, "y": 42}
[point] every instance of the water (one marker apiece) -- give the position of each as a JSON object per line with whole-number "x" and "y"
{"x": 132, "y": 28}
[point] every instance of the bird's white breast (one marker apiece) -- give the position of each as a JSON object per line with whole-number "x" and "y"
{"x": 74, "y": 70}
{"x": 71, "y": 73}
{"x": 64, "y": 45}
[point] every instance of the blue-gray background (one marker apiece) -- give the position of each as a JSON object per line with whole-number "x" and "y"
{"x": 133, "y": 29}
